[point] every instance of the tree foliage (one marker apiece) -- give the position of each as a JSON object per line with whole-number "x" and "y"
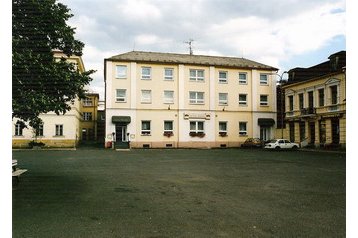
{"x": 40, "y": 83}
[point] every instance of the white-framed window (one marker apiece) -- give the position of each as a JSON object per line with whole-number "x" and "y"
{"x": 263, "y": 79}
{"x": 18, "y": 129}
{"x": 145, "y": 128}
{"x": 222, "y": 127}
{"x": 146, "y": 73}
{"x": 121, "y": 71}
{"x": 146, "y": 96}
{"x": 196, "y": 97}
{"x": 222, "y": 76}
{"x": 59, "y": 130}
{"x": 223, "y": 101}
{"x": 168, "y": 126}
{"x": 242, "y": 78}
{"x": 40, "y": 130}
{"x": 168, "y": 96}
{"x": 87, "y": 116}
{"x": 168, "y": 74}
{"x": 87, "y": 102}
{"x": 121, "y": 95}
{"x": 242, "y": 128}
{"x": 242, "y": 99}
{"x": 197, "y": 126}
{"x": 263, "y": 100}
{"x": 197, "y": 75}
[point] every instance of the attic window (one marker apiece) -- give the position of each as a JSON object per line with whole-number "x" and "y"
{"x": 334, "y": 63}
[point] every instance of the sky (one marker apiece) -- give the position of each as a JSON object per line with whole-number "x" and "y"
{"x": 281, "y": 33}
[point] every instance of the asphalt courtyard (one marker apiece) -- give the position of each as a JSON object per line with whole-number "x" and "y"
{"x": 180, "y": 193}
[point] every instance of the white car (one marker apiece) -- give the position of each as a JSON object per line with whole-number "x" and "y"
{"x": 278, "y": 144}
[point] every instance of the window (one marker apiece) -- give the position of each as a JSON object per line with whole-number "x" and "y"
{"x": 168, "y": 74}
{"x": 59, "y": 130}
{"x": 146, "y": 73}
{"x": 223, "y": 99}
{"x": 321, "y": 97}
{"x": 300, "y": 100}
{"x": 242, "y": 128}
{"x": 196, "y": 97}
{"x": 242, "y": 99}
{"x": 197, "y": 126}
{"x": 145, "y": 127}
{"x": 196, "y": 75}
{"x": 121, "y": 95}
{"x": 242, "y": 78}
{"x": 87, "y": 116}
{"x": 168, "y": 126}
{"x": 146, "y": 96}
{"x": 121, "y": 71}
{"x": 334, "y": 94}
{"x": 222, "y": 126}
{"x": 87, "y": 102}
{"x": 263, "y": 79}
{"x": 18, "y": 129}
{"x": 222, "y": 77}
{"x": 40, "y": 130}
{"x": 263, "y": 100}
{"x": 290, "y": 103}
{"x": 168, "y": 97}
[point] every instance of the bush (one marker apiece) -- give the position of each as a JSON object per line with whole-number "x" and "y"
{"x": 35, "y": 143}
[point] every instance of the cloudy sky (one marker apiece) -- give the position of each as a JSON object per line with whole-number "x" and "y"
{"x": 281, "y": 33}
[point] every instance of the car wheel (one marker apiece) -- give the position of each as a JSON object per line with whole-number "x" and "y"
{"x": 277, "y": 147}
{"x": 295, "y": 147}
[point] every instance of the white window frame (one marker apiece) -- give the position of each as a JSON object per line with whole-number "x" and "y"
{"x": 223, "y": 123}
{"x": 241, "y": 102}
{"x": 196, "y": 77}
{"x": 264, "y": 103}
{"x": 264, "y": 82}
{"x": 195, "y": 99}
{"x": 40, "y": 131}
{"x": 144, "y": 98}
{"x": 146, "y": 76}
{"x": 87, "y": 116}
{"x": 87, "y": 102}
{"x": 242, "y": 81}
{"x": 168, "y": 77}
{"x": 196, "y": 124}
{"x": 168, "y": 100}
{"x": 18, "y": 130}
{"x": 223, "y": 102}
{"x": 172, "y": 125}
{"x": 121, "y": 74}
{"x": 59, "y": 130}
{"x": 121, "y": 98}
{"x": 146, "y": 132}
{"x": 242, "y": 132}
{"x": 221, "y": 79}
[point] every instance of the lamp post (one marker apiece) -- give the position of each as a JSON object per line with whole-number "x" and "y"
{"x": 281, "y": 100}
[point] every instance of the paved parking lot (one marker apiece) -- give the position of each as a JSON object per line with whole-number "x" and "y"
{"x": 180, "y": 193}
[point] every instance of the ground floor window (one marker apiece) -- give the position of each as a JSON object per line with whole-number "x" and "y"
{"x": 59, "y": 130}
{"x": 322, "y": 131}
{"x": 292, "y": 131}
{"x": 18, "y": 129}
{"x": 145, "y": 128}
{"x": 302, "y": 131}
{"x": 242, "y": 128}
{"x": 197, "y": 126}
{"x": 168, "y": 128}
{"x": 40, "y": 130}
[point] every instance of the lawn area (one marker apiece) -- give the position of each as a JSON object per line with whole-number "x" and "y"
{"x": 179, "y": 193}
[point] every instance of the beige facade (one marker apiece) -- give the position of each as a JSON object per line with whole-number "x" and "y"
{"x": 160, "y": 100}
{"x": 316, "y": 107}
{"x": 88, "y": 109}
{"x": 57, "y": 130}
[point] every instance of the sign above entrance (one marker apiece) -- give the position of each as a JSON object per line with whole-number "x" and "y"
{"x": 204, "y": 116}
{"x": 125, "y": 120}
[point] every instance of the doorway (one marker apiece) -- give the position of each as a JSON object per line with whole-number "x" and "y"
{"x": 312, "y": 132}
{"x": 121, "y": 136}
{"x": 265, "y": 133}
{"x": 335, "y": 130}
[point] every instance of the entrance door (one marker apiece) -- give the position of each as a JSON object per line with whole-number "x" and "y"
{"x": 121, "y": 137}
{"x": 335, "y": 131}
{"x": 312, "y": 132}
{"x": 292, "y": 132}
{"x": 264, "y": 133}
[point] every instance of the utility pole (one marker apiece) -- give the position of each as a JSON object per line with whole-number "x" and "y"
{"x": 190, "y": 45}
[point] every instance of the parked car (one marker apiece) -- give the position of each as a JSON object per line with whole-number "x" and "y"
{"x": 252, "y": 143}
{"x": 278, "y": 144}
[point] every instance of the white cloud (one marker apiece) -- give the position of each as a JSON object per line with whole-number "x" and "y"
{"x": 139, "y": 10}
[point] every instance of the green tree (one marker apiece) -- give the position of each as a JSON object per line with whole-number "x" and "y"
{"x": 40, "y": 83}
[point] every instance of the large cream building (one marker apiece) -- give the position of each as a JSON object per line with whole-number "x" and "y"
{"x": 56, "y": 130}
{"x": 315, "y": 99}
{"x": 156, "y": 100}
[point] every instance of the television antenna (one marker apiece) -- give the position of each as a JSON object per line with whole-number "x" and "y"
{"x": 190, "y": 45}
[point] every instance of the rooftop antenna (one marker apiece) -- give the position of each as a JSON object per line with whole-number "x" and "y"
{"x": 190, "y": 46}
